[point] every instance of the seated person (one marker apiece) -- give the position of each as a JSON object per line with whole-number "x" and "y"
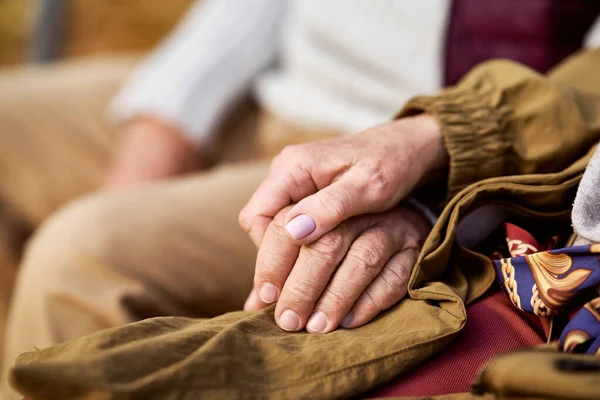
{"x": 247, "y": 354}
{"x": 341, "y": 255}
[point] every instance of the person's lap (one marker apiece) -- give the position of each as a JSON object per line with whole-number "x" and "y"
{"x": 175, "y": 249}
{"x": 172, "y": 248}
{"x": 167, "y": 249}
{"x": 55, "y": 144}
{"x": 55, "y": 140}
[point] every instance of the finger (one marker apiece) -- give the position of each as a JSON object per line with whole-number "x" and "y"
{"x": 321, "y": 212}
{"x": 256, "y": 216}
{"x": 253, "y": 302}
{"x": 310, "y": 275}
{"x": 363, "y": 262}
{"x": 388, "y": 288}
{"x": 257, "y": 229}
{"x": 282, "y": 187}
{"x": 275, "y": 259}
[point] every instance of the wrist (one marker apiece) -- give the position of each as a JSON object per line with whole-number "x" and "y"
{"x": 432, "y": 146}
{"x": 164, "y": 143}
{"x": 428, "y": 141}
{"x": 152, "y": 150}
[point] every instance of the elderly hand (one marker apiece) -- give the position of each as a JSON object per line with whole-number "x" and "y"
{"x": 345, "y": 277}
{"x": 336, "y": 179}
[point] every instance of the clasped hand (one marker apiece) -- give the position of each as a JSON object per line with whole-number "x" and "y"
{"x": 335, "y": 248}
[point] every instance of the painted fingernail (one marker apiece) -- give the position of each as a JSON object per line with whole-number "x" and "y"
{"x": 347, "y": 320}
{"x": 289, "y": 321}
{"x": 318, "y": 322}
{"x": 268, "y": 293}
{"x": 301, "y": 226}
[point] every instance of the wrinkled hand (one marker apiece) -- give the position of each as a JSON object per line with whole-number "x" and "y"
{"x": 346, "y": 277}
{"x": 336, "y": 179}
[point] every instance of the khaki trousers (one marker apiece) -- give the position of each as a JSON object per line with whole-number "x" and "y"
{"x": 54, "y": 145}
{"x": 172, "y": 248}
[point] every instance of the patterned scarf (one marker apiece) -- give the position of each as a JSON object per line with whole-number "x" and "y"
{"x": 555, "y": 282}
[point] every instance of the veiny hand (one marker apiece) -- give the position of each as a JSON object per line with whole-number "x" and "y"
{"x": 336, "y": 179}
{"x": 151, "y": 151}
{"x": 346, "y": 277}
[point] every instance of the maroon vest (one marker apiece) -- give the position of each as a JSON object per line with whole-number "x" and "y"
{"x": 537, "y": 33}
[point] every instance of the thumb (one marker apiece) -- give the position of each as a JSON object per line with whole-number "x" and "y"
{"x": 253, "y": 302}
{"x": 321, "y": 212}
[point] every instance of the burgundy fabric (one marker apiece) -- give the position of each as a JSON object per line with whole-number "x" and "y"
{"x": 494, "y": 326}
{"x": 537, "y": 33}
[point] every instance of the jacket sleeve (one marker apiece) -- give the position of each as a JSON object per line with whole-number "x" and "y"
{"x": 504, "y": 119}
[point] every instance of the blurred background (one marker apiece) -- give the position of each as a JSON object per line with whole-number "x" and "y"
{"x": 237, "y": 80}
{"x": 43, "y": 30}
{"x": 36, "y": 32}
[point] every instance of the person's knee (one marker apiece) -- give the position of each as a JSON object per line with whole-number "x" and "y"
{"x": 67, "y": 287}
{"x": 70, "y": 242}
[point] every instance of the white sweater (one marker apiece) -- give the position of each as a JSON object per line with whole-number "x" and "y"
{"x": 339, "y": 64}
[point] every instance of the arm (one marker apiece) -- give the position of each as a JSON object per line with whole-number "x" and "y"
{"x": 181, "y": 91}
{"x": 505, "y": 119}
{"x": 502, "y": 119}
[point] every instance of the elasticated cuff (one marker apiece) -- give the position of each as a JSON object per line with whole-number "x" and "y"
{"x": 475, "y": 133}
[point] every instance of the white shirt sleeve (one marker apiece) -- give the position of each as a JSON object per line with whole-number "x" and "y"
{"x": 204, "y": 65}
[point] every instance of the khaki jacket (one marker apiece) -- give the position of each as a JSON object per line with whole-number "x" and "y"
{"x": 516, "y": 139}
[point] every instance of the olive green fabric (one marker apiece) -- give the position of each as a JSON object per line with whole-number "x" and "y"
{"x": 555, "y": 376}
{"x": 501, "y": 119}
{"x": 505, "y": 119}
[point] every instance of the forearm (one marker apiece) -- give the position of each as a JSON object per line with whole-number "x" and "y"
{"x": 505, "y": 119}
{"x": 205, "y": 64}
{"x": 151, "y": 150}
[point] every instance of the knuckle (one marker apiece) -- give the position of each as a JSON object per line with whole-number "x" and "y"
{"x": 380, "y": 182}
{"x": 288, "y": 157}
{"x": 395, "y": 277}
{"x": 277, "y": 240}
{"x": 278, "y": 221}
{"x": 277, "y": 162}
{"x": 327, "y": 249}
{"x": 413, "y": 243}
{"x": 412, "y": 254}
{"x": 335, "y": 203}
{"x": 331, "y": 241}
{"x": 268, "y": 272}
{"x": 366, "y": 254}
{"x": 245, "y": 220}
{"x": 372, "y": 166}
{"x": 299, "y": 291}
{"x": 268, "y": 259}
{"x": 336, "y": 299}
{"x": 301, "y": 177}
{"x": 371, "y": 303}
{"x": 323, "y": 257}
{"x": 291, "y": 152}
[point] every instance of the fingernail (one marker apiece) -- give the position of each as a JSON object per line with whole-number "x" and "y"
{"x": 318, "y": 322}
{"x": 347, "y": 320}
{"x": 268, "y": 293}
{"x": 301, "y": 226}
{"x": 289, "y": 321}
